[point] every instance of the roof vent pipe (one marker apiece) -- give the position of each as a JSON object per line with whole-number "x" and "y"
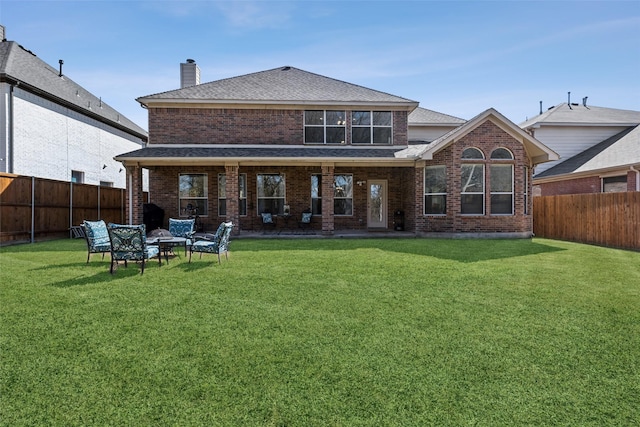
{"x": 584, "y": 101}
{"x": 569, "y": 100}
{"x": 60, "y": 61}
{"x": 540, "y": 107}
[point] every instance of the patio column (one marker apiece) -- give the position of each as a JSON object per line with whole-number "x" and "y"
{"x": 233, "y": 193}
{"x": 327, "y": 199}
{"x": 134, "y": 195}
{"x": 419, "y": 219}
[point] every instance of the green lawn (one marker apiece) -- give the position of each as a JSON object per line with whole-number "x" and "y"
{"x": 335, "y": 332}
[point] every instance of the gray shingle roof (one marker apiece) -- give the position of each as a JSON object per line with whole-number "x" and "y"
{"x": 579, "y": 114}
{"x": 281, "y": 85}
{"x": 264, "y": 152}
{"x": 20, "y": 65}
{"x": 620, "y": 150}
{"x": 423, "y": 116}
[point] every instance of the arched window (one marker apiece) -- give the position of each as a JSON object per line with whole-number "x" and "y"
{"x": 501, "y": 154}
{"x": 472, "y": 154}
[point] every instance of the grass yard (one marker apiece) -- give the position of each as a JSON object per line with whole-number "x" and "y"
{"x": 335, "y": 332}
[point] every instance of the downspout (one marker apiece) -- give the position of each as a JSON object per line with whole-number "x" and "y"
{"x": 637, "y": 177}
{"x": 10, "y": 131}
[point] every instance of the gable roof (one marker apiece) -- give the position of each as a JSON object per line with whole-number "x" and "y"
{"x": 424, "y": 117}
{"x": 537, "y": 151}
{"x": 621, "y": 151}
{"x": 582, "y": 115}
{"x": 283, "y": 85}
{"x": 23, "y": 67}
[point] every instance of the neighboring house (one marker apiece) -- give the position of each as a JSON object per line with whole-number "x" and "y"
{"x": 290, "y": 140}
{"x": 598, "y": 148}
{"x": 55, "y": 129}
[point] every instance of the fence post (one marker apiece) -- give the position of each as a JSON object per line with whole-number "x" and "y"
{"x": 99, "y": 215}
{"x": 70, "y": 208}
{"x": 33, "y": 208}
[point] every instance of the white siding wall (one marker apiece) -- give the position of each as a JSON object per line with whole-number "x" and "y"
{"x": 568, "y": 141}
{"x": 50, "y": 141}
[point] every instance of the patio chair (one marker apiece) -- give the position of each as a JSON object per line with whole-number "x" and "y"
{"x": 97, "y": 237}
{"x": 217, "y": 244}
{"x": 183, "y": 228}
{"x": 129, "y": 243}
{"x": 305, "y": 221}
{"x": 268, "y": 221}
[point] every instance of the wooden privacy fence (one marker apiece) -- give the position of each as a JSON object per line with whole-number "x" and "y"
{"x": 607, "y": 219}
{"x": 34, "y": 209}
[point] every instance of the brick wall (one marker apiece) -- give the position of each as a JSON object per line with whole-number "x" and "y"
{"x": 487, "y": 137}
{"x": 242, "y": 126}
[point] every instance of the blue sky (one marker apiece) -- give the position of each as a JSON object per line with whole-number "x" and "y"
{"x": 455, "y": 57}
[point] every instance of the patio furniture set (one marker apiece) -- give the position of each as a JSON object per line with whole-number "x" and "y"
{"x": 269, "y": 221}
{"x": 131, "y": 243}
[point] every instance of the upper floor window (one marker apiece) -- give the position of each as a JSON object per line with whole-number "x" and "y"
{"x": 106, "y": 184}
{"x": 193, "y": 194}
{"x": 222, "y": 194}
{"x": 435, "y": 190}
{"x": 271, "y": 193}
{"x": 324, "y": 127}
{"x": 371, "y": 127}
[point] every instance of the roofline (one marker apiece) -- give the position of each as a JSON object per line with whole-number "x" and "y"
{"x": 503, "y": 123}
{"x": 577, "y": 124}
{"x": 275, "y": 161}
{"x": 241, "y": 103}
{"x": 5, "y": 78}
{"x": 583, "y": 174}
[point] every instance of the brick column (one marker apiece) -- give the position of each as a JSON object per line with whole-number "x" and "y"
{"x": 134, "y": 195}
{"x": 418, "y": 182}
{"x": 327, "y": 199}
{"x": 233, "y": 193}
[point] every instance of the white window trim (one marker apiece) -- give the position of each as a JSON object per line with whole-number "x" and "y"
{"x": 205, "y": 198}
{"x": 512, "y": 192}
{"x": 324, "y": 127}
{"x": 484, "y": 189}
{"x": 371, "y": 126}
{"x": 424, "y": 184}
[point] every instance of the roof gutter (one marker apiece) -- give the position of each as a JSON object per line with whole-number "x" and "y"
{"x": 637, "y": 177}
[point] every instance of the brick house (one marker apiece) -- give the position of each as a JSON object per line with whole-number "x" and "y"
{"x": 287, "y": 141}
{"x": 599, "y": 149}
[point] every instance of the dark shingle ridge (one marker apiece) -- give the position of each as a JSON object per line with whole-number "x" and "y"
{"x": 21, "y": 66}
{"x": 282, "y": 84}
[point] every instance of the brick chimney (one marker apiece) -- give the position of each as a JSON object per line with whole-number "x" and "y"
{"x": 2, "y": 33}
{"x": 189, "y": 74}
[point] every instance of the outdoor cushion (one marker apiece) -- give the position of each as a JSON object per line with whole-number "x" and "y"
{"x": 129, "y": 243}
{"x": 219, "y": 244}
{"x": 97, "y": 237}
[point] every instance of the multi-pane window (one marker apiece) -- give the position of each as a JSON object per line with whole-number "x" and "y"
{"x": 614, "y": 184}
{"x": 343, "y": 195}
{"x": 193, "y": 194}
{"x": 501, "y": 182}
{"x": 472, "y": 183}
{"x": 501, "y": 189}
{"x": 435, "y": 190}
{"x": 472, "y": 189}
{"x": 271, "y": 193}
{"x": 526, "y": 190}
{"x": 316, "y": 194}
{"x": 222, "y": 194}
{"x": 371, "y": 127}
{"x": 324, "y": 127}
